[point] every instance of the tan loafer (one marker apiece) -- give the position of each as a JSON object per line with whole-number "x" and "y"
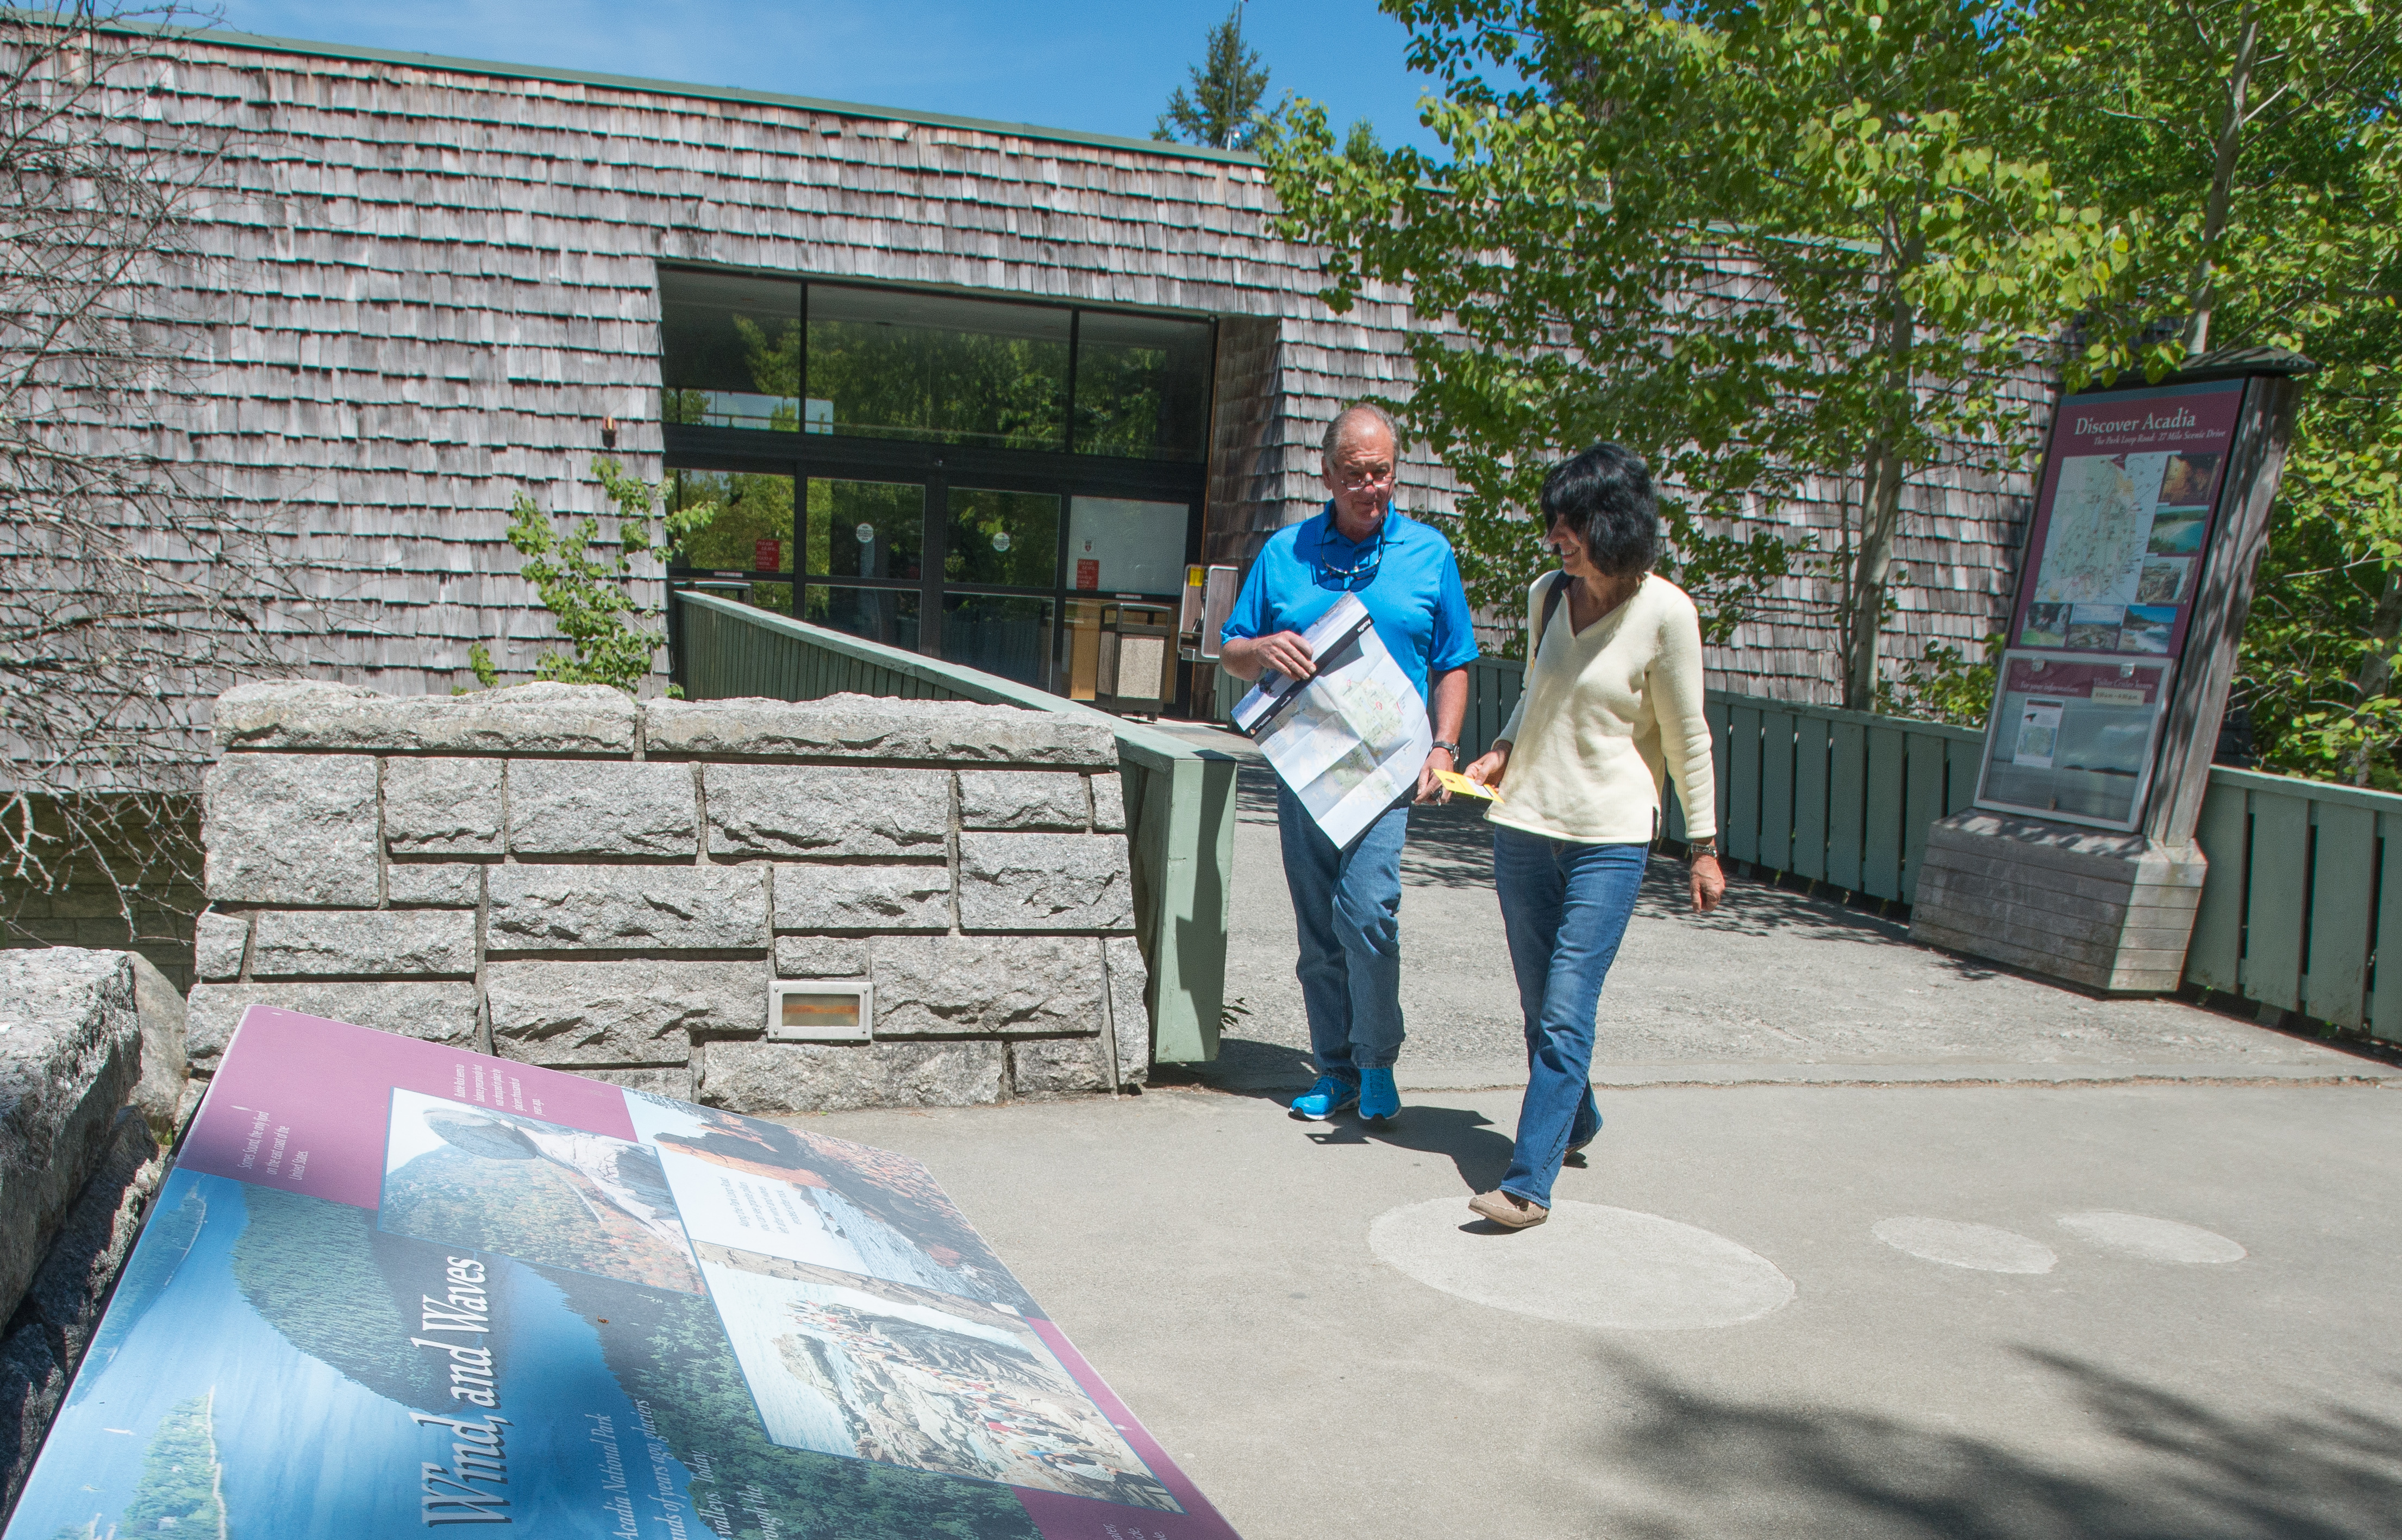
{"x": 1508, "y": 1210}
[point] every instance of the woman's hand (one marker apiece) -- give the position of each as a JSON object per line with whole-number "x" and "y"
{"x": 1486, "y": 768}
{"x": 1709, "y": 884}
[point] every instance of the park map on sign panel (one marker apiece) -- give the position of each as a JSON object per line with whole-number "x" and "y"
{"x": 393, "y": 1287}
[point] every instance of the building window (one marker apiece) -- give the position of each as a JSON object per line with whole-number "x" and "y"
{"x": 866, "y": 529}
{"x": 731, "y": 350}
{"x": 1011, "y": 486}
{"x": 932, "y": 368}
{"x": 887, "y": 364}
{"x": 1142, "y": 386}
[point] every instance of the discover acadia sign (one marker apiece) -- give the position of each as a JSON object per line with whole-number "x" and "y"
{"x": 2123, "y": 524}
{"x": 393, "y": 1287}
{"x": 2077, "y": 858}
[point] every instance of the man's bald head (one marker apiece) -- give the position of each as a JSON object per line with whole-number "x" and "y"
{"x": 1368, "y": 420}
{"x": 1363, "y": 451}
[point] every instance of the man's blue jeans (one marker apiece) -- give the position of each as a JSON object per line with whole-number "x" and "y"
{"x": 1564, "y": 908}
{"x": 1347, "y": 906}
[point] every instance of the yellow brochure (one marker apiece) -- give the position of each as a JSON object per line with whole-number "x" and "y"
{"x": 1460, "y": 786}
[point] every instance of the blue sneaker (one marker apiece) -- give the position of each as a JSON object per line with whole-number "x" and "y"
{"x": 1325, "y": 1099}
{"x": 1379, "y": 1098}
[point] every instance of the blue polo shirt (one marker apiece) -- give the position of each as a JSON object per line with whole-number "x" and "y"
{"x": 1404, "y": 574}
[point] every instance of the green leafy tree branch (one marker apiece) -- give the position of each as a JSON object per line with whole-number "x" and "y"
{"x": 2256, "y": 144}
{"x": 587, "y": 583}
{"x": 1761, "y": 243}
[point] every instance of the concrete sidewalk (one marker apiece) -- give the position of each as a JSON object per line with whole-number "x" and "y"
{"x": 1772, "y": 988}
{"x": 1799, "y": 1292}
{"x": 1791, "y": 1310}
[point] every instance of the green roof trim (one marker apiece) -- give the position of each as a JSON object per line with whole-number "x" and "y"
{"x": 1166, "y": 149}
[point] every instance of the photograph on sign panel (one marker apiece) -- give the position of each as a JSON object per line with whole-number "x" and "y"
{"x": 788, "y": 1192}
{"x": 2147, "y": 629}
{"x": 2178, "y": 531}
{"x": 2094, "y": 628}
{"x": 2047, "y": 625}
{"x": 478, "y": 1177}
{"x": 878, "y": 1370}
{"x": 2163, "y": 581}
{"x": 2189, "y": 479}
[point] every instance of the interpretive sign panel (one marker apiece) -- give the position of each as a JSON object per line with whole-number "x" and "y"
{"x": 2123, "y": 522}
{"x": 1349, "y": 740}
{"x": 392, "y": 1286}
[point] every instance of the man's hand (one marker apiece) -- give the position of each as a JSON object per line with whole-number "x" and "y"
{"x": 1429, "y": 789}
{"x": 1709, "y": 884}
{"x": 1285, "y": 651}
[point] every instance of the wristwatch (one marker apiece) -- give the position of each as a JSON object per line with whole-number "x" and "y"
{"x": 1450, "y": 748}
{"x": 1709, "y": 847}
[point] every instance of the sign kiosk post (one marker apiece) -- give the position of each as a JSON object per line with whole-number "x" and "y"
{"x": 2076, "y": 858}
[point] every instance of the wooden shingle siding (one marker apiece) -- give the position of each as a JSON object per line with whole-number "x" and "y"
{"x": 425, "y": 285}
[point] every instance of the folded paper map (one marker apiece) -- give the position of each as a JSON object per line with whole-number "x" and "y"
{"x": 1350, "y": 739}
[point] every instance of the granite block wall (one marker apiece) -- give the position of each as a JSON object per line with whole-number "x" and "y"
{"x": 92, "y": 1089}
{"x": 563, "y": 876}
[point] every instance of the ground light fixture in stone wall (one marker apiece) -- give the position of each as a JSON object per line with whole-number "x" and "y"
{"x": 564, "y": 876}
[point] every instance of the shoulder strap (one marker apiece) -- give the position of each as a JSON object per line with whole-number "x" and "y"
{"x": 1553, "y": 591}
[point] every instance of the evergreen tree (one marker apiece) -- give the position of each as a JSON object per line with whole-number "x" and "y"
{"x": 1221, "y": 109}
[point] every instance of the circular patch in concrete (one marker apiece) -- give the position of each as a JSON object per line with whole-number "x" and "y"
{"x": 1957, "y": 1243}
{"x": 2152, "y": 1240}
{"x": 1588, "y": 1265}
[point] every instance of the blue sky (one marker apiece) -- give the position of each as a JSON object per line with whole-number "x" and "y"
{"x": 1103, "y": 66}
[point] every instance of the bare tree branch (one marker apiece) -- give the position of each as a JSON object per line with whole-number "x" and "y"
{"x": 128, "y": 597}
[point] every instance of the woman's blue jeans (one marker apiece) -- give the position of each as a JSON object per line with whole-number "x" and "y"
{"x": 1564, "y": 907}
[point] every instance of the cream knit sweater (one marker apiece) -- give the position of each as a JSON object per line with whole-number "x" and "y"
{"x": 1602, "y": 714}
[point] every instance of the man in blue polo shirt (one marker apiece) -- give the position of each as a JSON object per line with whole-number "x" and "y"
{"x": 1347, "y": 902}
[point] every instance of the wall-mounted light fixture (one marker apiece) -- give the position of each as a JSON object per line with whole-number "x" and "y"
{"x": 821, "y": 1011}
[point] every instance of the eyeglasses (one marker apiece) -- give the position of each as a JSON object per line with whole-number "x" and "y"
{"x": 1359, "y": 481}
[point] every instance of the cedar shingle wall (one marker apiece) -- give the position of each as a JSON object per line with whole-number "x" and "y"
{"x": 426, "y": 287}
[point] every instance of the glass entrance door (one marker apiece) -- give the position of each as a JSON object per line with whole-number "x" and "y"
{"x": 864, "y": 545}
{"x": 1054, "y": 572}
{"x": 1000, "y": 576}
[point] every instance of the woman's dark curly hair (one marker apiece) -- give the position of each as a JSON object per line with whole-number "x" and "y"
{"x": 1604, "y": 496}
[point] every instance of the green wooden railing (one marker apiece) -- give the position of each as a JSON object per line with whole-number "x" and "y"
{"x": 1179, "y": 800}
{"x": 2300, "y": 900}
{"x": 1839, "y": 797}
{"x": 2299, "y": 905}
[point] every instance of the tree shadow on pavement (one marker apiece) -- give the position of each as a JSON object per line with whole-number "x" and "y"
{"x": 2171, "y": 1469}
{"x": 1753, "y": 908}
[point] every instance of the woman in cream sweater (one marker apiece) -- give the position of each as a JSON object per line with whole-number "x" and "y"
{"x": 1613, "y": 697}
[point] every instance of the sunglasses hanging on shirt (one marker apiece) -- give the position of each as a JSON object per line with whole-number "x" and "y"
{"x": 1361, "y": 570}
